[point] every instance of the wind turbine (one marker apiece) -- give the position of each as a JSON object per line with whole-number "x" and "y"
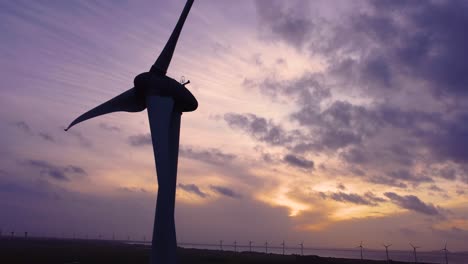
{"x": 386, "y": 250}
{"x": 445, "y": 251}
{"x": 360, "y": 246}
{"x": 165, "y": 99}
{"x": 302, "y": 248}
{"x": 250, "y": 246}
{"x": 221, "y": 244}
{"x": 235, "y": 245}
{"x": 266, "y": 247}
{"x": 283, "y": 244}
{"x": 414, "y": 251}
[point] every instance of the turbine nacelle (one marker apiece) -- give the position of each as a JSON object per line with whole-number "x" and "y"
{"x": 151, "y": 84}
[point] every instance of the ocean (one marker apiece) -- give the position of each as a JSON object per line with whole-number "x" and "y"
{"x": 353, "y": 253}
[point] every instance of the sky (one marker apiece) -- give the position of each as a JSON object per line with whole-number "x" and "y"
{"x": 318, "y": 121}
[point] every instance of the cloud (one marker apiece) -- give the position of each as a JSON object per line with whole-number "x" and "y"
{"x": 46, "y": 137}
{"x": 387, "y": 181}
{"x": 412, "y": 203}
{"x": 446, "y": 173}
{"x": 354, "y": 155}
{"x": 23, "y": 126}
{"x": 368, "y": 199}
{"x": 210, "y": 155}
{"x": 435, "y": 188}
{"x": 109, "y": 127}
{"x": 454, "y": 233}
{"x": 281, "y": 21}
{"x": 370, "y": 50}
{"x": 59, "y": 173}
{"x": 132, "y": 189}
{"x": 297, "y": 161}
{"x": 140, "y": 140}
{"x": 225, "y": 191}
{"x": 341, "y": 186}
{"x": 82, "y": 140}
{"x": 192, "y": 188}
{"x": 259, "y": 128}
{"x": 373, "y": 198}
{"x": 407, "y": 176}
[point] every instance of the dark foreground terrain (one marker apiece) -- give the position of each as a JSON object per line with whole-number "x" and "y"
{"x": 92, "y": 251}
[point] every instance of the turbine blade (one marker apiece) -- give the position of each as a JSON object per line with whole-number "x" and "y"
{"x": 164, "y": 59}
{"x": 129, "y": 101}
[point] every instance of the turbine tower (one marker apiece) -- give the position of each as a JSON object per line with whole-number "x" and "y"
{"x": 445, "y": 251}
{"x": 283, "y": 244}
{"x": 414, "y": 251}
{"x": 165, "y": 99}
{"x": 302, "y": 248}
{"x": 386, "y": 250}
{"x": 250, "y": 246}
{"x": 360, "y": 246}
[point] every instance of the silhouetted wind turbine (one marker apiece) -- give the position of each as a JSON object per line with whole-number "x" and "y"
{"x": 221, "y": 244}
{"x": 250, "y": 246}
{"x": 386, "y": 250}
{"x": 302, "y": 248}
{"x": 266, "y": 247}
{"x": 283, "y": 244}
{"x": 165, "y": 99}
{"x": 235, "y": 246}
{"x": 445, "y": 251}
{"x": 414, "y": 251}
{"x": 360, "y": 246}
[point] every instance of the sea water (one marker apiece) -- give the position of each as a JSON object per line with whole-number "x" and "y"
{"x": 373, "y": 254}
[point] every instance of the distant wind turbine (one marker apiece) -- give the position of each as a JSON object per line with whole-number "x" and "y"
{"x": 221, "y": 244}
{"x": 302, "y": 248}
{"x": 266, "y": 247}
{"x": 235, "y": 245}
{"x": 165, "y": 99}
{"x": 386, "y": 250}
{"x": 250, "y": 246}
{"x": 445, "y": 251}
{"x": 414, "y": 251}
{"x": 360, "y": 246}
{"x": 283, "y": 244}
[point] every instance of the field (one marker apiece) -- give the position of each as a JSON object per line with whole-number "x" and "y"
{"x": 95, "y": 251}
